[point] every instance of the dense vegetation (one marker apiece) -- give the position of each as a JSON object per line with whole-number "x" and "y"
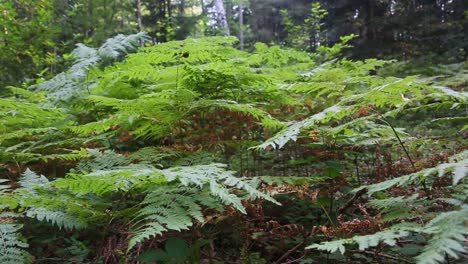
{"x": 222, "y": 150}
{"x": 36, "y": 36}
{"x": 147, "y": 148}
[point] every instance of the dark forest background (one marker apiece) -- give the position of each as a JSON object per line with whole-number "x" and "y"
{"x": 37, "y": 35}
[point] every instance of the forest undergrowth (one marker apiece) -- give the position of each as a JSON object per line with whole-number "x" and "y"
{"x": 196, "y": 152}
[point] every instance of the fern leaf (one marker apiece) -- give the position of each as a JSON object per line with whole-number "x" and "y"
{"x": 12, "y": 248}
{"x": 30, "y": 179}
{"x": 332, "y": 246}
{"x": 388, "y": 237}
{"x": 58, "y": 218}
{"x": 458, "y": 168}
{"x": 448, "y": 235}
{"x": 71, "y": 84}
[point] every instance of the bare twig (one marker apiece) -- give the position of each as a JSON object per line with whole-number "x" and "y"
{"x": 380, "y": 255}
{"x": 289, "y": 252}
{"x": 351, "y": 201}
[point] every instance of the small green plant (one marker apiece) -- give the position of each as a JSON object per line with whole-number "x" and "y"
{"x": 177, "y": 251}
{"x": 309, "y": 35}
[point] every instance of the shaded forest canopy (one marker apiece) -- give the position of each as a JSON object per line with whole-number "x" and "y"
{"x": 233, "y": 131}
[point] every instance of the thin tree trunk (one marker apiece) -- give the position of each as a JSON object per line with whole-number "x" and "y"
{"x": 181, "y": 7}
{"x": 169, "y": 8}
{"x": 241, "y": 26}
{"x": 140, "y": 24}
{"x": 220, "y": 17}
{"x": 202, "y": 5}
{"x": 254, "y": 19}
{"x": 138, "y": 13}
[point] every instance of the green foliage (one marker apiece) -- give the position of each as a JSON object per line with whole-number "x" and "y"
{"x": 378, "y": 98}
{"x": 173, "y": 197}
{"x": 137, "y": 153}
{"x": 176, "y": 251}
{"x": 388, "y": 237}
{"x": 12, "y": 248}
{"x": 446, "y": 232}
{"x": 310, "y": 34}
{"x": 194, "y": 77}
{"x": 26, "y": 38}
{"x": 72, "y": 83}
{"x": 457, "y": 168}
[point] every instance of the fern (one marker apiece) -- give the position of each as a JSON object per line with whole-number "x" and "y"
{"x": 12, "y": 248}
{"x": 388, "y": 237}
{"x": 30, "y": 179}
{"x": 400, "y": 207}
{"x": 72, "y": 83}
{"x": 37, "y": 199}
{"x": 448, "y": 233}
{"x": 383, "y": 96}
{"x": 173, "y": 197}
{"x": 166, "y": 209}
{"x": 458, "y": 168}
{"x": 169, "y": 208}
{"x": 117, "y": 115}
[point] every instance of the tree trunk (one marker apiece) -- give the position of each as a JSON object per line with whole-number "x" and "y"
{"x": 254, "y": 19}
{"x": 138, "y": 14}
{"x": 202, "y": 5}
{"x": 220, "y": 17}
{"x": 181, "y": 7}
{"x": 241, "y": 26}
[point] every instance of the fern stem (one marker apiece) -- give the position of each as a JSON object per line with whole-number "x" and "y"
{"x": 356, "y": 164}
{"x": 328, "y": 216}
{"x": 423, "y": 182}
{"x": 177, "y": 77}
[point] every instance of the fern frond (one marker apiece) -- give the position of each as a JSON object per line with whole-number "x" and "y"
{"x": 448, "y": 233}
{"x": 12, "y": 248}
{"x": 172, "y": 207}
{"x": 292, "y": 131}
{"x": 386, "y": 96}
{"x": 266, "y": 119}
{"x": 121, "y": 44}
{"x": 400, "y": 207}
{"x": 458, "y": 168}
{"x": 58, "y": 218}
{"x": 30, "y": 179}
{"x": 71, "y": 84}
{"x": 388, "y": 237}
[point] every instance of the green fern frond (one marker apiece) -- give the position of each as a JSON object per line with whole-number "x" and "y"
{"x": 458, "y": 168}
{"x": 266, "y": 119}
{"x": 173, "y": 207}
{"x": 102, "y": 182}
{"x": 292, "y": 131}
{"x": 30, "y": 179}
{"x": 12, "y": 248}
{"x": 71, "y": 84}
{"x": 58, "y": 218}
{"x": 448, "y": 233}
{"x": 388, "y": 237}
{"x": 393, "y": 96}
{"x": 400, "y": 207}
{"x": 152, "y": 155}
{"x": 96, "y": 160}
